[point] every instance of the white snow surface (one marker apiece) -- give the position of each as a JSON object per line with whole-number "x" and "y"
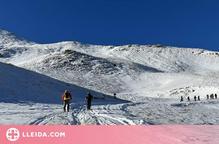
{"x": 148, "y": 80}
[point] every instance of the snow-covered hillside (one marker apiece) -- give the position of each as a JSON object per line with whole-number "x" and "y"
{"x": 149, "y": 78}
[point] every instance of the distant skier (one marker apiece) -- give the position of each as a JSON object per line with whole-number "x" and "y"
{"x": 114, "y": 95}
{"x": 212, "y": 96}
{"x": 188, "y": 98}
{"x": 66, "y": 98}
{"x": 198, "y": 98}
{"x": 215, "y": 96}
{"x": 181, "y": 99}
{"x": 195, "y": 98}
{"x": 89, "y": 99}
{"x": 207, "y": 97}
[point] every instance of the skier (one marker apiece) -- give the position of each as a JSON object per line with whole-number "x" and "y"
{"x": 114, "y": 95}
{"x": 212, "y": 96}
{"x": 198, "y": 98}
{"x": 89, "y": 98}
{"x": 181, "y": 99}
{"x": 188, "y": 98}
{"x": 195, "y": 98}
{"x": 215, "y": 96}
{"x": 207, "y": 97}
{"x": 66, "y": 97}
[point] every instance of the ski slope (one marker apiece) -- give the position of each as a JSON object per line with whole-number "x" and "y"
{"x": 148, "y": 79}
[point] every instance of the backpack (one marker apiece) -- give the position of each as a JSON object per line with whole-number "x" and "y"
{"x": 66, "y": 96}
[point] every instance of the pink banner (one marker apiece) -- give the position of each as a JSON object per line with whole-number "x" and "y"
{"x": 161, "y": 134}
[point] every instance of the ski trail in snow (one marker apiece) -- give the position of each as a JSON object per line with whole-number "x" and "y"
{"x": 54, "y": 118}
{"x": 111, "y": 119}
{"x": 135, "y": 113}
{"x": 43, "y": 120}
{"x": 100, "y": 115}
{"x": 105, "y": 114}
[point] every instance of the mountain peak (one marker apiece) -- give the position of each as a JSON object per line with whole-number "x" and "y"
{"x": 9, "y": 39}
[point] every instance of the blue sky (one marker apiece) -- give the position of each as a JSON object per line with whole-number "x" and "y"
{"x": 185, "y": 23}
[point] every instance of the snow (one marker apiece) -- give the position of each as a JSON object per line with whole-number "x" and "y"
{"x": 148, "y": 79}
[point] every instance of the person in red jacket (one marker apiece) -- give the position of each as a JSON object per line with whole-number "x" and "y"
{"x": 66, "y": 98}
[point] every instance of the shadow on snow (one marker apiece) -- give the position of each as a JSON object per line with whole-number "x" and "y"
{"x": 18, "y": 85}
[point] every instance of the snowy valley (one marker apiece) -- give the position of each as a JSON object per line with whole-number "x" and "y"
{"x": 149, "y": 81}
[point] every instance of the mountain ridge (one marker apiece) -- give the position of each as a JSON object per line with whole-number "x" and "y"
{"x": 151, "y": 78}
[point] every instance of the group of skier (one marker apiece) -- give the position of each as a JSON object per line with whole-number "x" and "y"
{"x": 66, "y": 98}
{"x": 212, "y": 96}
{"x": 197, "y": 98}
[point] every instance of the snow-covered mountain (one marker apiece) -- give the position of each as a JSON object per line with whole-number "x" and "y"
{"x": 151, "y": 77}
{"x": 8, "y": 39}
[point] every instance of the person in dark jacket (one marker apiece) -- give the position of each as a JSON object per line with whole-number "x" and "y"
{"x": 195, "y": 98}
{"x": 198, "y": 98}
{"x": 89, "y": 99}
{"x": 212, "y": 96}
{"x": 66, "y": 98}
{"x": 215, "y": 96}
{"x": 181, "y": 99}
{"x": 188, "y": 98}
{"x": 207, "y": 97}
{"x": 114, "y": 95}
